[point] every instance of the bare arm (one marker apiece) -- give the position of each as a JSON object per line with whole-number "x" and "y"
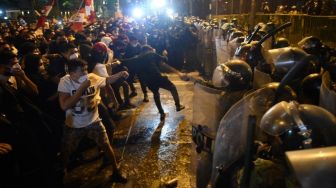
{"x": 67, "y": 101}
{"x": 21, "y": 76}
{"x": 110, "y": 93}
{"x": 115, "y": 77}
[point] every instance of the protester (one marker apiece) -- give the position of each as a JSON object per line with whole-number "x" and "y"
{"x": 79, "y": 96}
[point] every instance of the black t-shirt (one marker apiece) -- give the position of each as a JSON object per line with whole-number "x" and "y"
{"x": 132, "y": 51}
{"x": 147, "y": 66}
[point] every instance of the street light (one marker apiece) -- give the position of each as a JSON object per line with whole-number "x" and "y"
{"x": 137, "y": 12}
{"x": 170, "y": 13}
{"x": 155, "y": 4}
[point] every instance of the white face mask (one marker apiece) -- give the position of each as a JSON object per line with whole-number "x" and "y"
{"x": 134, "y": 44}
{"x": 74, "y": 56}
{"x": 83, "y": 78}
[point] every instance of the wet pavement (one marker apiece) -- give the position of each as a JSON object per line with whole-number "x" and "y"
{"x": 155, "y": 152}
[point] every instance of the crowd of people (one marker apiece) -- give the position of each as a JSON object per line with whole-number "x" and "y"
{"x": 311, "y": 7}
{"x": 61, "y": 86}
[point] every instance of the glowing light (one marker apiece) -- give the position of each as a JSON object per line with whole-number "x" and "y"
{"x": 158, "y": 4}
{"x": 5, "y": 17}
{"x": 1, "y": 12}
{"x": 137, "y": 12}
{"x": 170, "y": 12}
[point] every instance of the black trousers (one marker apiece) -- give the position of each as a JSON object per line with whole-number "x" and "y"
{"x": 163, "y": 82}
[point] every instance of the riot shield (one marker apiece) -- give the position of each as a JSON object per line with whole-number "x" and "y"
{"x": 222, "y": 51}
{"x": 327, "y": 95}
{"x": 260, "y": 78}
{"x": 230, "y": 143}
{"x": 314, "y": 167}
{"x": 210, "y": 105}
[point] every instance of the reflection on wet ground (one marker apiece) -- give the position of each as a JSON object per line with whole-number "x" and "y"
{"x": 155, "y": 152}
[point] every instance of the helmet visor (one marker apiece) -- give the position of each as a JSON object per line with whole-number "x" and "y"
{"x": 277, "y": 120}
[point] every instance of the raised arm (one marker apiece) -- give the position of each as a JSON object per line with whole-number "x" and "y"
{"x": 113, "y": 78}
{"x": 67, "y": 101}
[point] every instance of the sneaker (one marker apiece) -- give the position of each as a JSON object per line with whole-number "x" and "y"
{"x": 179, "y": 108}
{"x": 118, "y": 178}
{"x": 133, "y": 94}
{"x": 162, "y": 116}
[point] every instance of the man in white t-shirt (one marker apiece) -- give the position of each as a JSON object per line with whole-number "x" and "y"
{"x": 79, "y": 96}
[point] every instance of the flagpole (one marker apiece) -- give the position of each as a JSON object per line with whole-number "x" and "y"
{"x": 80, "y": 6}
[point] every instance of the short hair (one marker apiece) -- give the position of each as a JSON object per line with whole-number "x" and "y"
{"x": 27, "y": 48}
{"x": 74, "y": 64}
{"x": 32, "y": 63}
{"x": 6, "y": 56}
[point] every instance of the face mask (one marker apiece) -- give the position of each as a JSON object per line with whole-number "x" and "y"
{"x": 74, "y": 56}
{"x": 83, "y": 78}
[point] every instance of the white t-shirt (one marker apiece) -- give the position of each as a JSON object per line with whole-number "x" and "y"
{"x": 100, "y": 70}
{"x": 85, "y": 112}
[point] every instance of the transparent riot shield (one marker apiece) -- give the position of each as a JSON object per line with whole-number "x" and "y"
{"x": 230, "y": 143}
{"x": 327, "y": 95}
{"x": 314, "y": 167}
{"x": 209, "y": 106}
{"x": 222, "y": 51}
{"x": 260, "y": 78}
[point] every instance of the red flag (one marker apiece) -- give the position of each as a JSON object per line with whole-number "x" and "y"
{"x": 44, "y": 13}
{"x": 77, "y": 21}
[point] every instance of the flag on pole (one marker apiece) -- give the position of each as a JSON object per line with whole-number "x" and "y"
{"x": 44, "y": 13}
{"x": 77, "y": 20}
{"x": 89, "y": 11}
